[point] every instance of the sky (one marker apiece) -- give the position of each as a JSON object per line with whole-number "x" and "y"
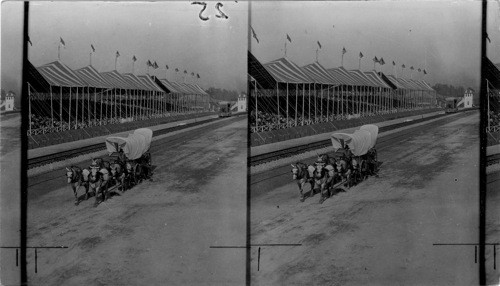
{"x": 169, "y": 33}
{"x": 442, "y": 37}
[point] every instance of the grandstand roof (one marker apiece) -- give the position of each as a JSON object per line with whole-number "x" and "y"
{"x": 257, "y": 71}
{"x": 118, "y": 81}
{"x": 58, "y": 74}
{"x": 361, "y": 77}
{"x": 493, "y": 74}
{"x": 377, "y": 79}
{"x": 132, "y": 78}
{"x": 343, "y": 75}
{"x": 394, "y": 81}
{"x": 285, "y": 71}
{"x": 149, "y": 82}
{"x": 319, "y": 74}
{"x": 36, "y": 80}
{"x": 166, "y": 85}
{"x": 92, "y": 77}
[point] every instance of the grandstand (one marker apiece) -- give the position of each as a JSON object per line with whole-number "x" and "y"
{"x": 493, "y": 91}
{"x": 285, "y": 96}
{"x": 75, "y": 104}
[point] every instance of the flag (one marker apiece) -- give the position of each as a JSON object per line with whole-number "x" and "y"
{"x": 403, "y": 66}
{"x": 166, "y": 66}
{"x": 361, "y": 55}
{"x": 176, "y": 70}
{"x": 419, "y": 70}
{"x": 425, "y": 72}
{"x": 197, "y": 75}
{"x": 149, "y": 63}
{"x": 254, "y": 34}
{"x": 344, "y": 50}
{"x": 393, "y": 63}
{"x": 117, "y": 54}
{"x": 288, "y": 38}
{"x": 29, "y": 41}
{"x": 319, "y": 44}
{"x": 375, "y": 59}
{"x": 185, "y": 71}
{"x": 93, "y": 49}
{"x": 62, "y": 42}
{"x": 381, "y": 61}
{"x": 192, "y": 74}
{"x": 155, "y": 65}
{"x": 411, "y": 68}
{"x": 134, "y": 58}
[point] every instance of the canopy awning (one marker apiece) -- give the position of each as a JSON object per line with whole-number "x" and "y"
{"x": 117, "y": 80}
{"x": 165, "y": 85}
{"x": 36, "y": 80}
{"x": 58, "y": 74}
{"x": 257, "y": 71}
{"x": 92, "y": 77}
{"x": 377, "y": 79}
{"x": 319, "y": 74}
{"x": 149, "y": 82}
{"x": 343, "y": 75}
{"x": 285, "y": 71}
{"x": 493, "y": 74}
{"x": 394, "y": 81}
{"x": 132, "y": 78}
{"x": 360, "y": 77}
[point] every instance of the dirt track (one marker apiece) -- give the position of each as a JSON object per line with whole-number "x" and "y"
{"x": 158, "y": 233}
{"x": 382, "y": 231}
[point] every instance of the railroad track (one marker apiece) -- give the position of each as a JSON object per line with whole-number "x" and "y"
{"x": 289, "y": 152}
{"x": 44, "y": 160}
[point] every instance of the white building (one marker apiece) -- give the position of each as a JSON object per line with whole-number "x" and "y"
{"x": 467, "y": 100}
{"x": 8, "y": 103}
{"x": 241, "y": 104}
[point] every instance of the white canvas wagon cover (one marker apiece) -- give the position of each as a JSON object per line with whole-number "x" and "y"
{"x": 134, "y": 146}
{"x": 359, "y": 142}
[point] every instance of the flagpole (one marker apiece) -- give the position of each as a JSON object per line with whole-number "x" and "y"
{"x": 59, "y": 51}
{"x": 342, "y": 61}
{"x": 90, "y": 55}
{"x": 359, "y": 67}
{"x": 285, "y": 48}
{"x": 116, "y": 59}
{"x": 317, "y": 54}
{"x": 133, "y": 64}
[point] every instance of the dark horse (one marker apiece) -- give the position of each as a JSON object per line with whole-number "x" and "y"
{"x": 301, "y": 175}
{"x": 76, "y": 180}
{"x": 118, "y": 175}
{"x": 99, "y": 182}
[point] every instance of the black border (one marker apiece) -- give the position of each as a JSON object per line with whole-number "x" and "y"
{"x": 24, "y": 148}
{"x": 482, "y": 151}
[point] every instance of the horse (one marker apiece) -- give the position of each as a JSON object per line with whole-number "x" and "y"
{"x": 100, "y": 163}
{"x": 118, "y": 175}
{"x": 343, "y": 170}
{"x": 99, "y": 181}
{"x": 76, "y": 180}
{"x": 321, "y": 180}
{"x": 301, "y": 175}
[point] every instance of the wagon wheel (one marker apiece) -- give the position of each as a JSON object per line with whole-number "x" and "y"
{"x": 137, "y": 173}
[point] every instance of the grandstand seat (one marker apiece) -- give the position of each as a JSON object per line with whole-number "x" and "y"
{"x": 32, "y": 144}
{"x": 65, "y": 136}
{"x": 41, "y": 139}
